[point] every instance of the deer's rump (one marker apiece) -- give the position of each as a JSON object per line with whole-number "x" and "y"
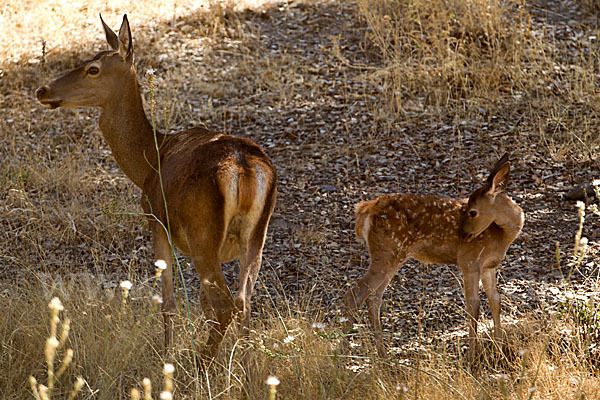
{"x": 206, "y": 172}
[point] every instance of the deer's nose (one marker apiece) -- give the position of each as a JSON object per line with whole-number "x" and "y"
{"x": 41, "y": 91}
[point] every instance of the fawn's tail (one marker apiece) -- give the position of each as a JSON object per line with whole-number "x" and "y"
{"x": 363, "y": 219}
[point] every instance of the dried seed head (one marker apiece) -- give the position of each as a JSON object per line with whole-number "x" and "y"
{"x": 522, "y": 352}
{"x": 66, "y": 326}
{"x": 272, "y": 381}
{"x": 55, "y": 305}
{"x": 147, "y": 385}
{"x": 165, "y": 395}
{"x": 126, "y": 286}
{"x": 78, "y": 384}
{"x": 43, "y": 390}
{"x": 33, "y": 384}
{"x": 51, "y": 345}
{"x": 161, "y": 265}
{"x": 169, "y": 369}
{"x": 319, "y": 325}
{"x": 67, "y": 358}
{"x": 581, "y": 208}
{"x": 135, "y": 394}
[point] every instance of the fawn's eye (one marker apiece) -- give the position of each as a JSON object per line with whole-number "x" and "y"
{"x": 93, "y": 70}
{"x": 472, "y": 213}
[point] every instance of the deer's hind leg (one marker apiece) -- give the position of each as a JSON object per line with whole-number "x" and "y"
{"x": 252, "y": 240}
{"x": 384, "y": 264}
{"x": 216, "y": 293}
{"x": 374, "y": 307}
{"x": 250, "y": 262}
{"x": 205, "y": 234}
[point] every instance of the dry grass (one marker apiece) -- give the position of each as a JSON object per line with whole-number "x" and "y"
{"x": 115, "y": 346}
{"x": 69, "y": 223}
{"x": 478, "y": 58}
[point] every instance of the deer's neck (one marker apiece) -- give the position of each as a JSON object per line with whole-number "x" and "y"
{"x": 128, "y": 132}
{"x": 510, "y": 218}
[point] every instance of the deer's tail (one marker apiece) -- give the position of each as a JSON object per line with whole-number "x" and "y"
{"x": 363, "y": 219}
{"x": 246, "y": 191}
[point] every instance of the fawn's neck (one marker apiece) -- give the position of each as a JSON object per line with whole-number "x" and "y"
{"x": 510, "y": 217}
{"x": 128, "y": 132}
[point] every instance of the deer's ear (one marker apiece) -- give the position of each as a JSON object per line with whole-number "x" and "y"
{"x": 111, "y": 36}
{"x": 499, "y": 179}
{"x": 125, "y": 41}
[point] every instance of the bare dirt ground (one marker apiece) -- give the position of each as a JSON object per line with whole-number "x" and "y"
{"x": 296, "y": 78}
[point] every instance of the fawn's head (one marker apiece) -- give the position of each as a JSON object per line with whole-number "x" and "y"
{"x": 482, "y": 209}
{"x": 96, "y": 81}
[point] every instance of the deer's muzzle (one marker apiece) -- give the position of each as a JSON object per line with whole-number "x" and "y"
{"x": 43, "y": 95}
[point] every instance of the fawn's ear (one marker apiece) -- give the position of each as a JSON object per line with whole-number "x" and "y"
{"x": 498, "y": 179}
{"x": 125, "y": 41}
{"x": 111, "y": 36}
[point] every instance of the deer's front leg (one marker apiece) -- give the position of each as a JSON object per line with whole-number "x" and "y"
{"x": 162, "y": 251}
{"x": 471, "y": 286}
{"x": 488, "y": 278}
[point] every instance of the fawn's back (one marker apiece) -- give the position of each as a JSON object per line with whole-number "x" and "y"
{"x": 424, "y": 227}
{"x": 427, "y": 228}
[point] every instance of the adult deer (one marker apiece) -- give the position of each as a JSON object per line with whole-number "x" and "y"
{"x": 215, "y": 192}
{"x": 474, "y": 233}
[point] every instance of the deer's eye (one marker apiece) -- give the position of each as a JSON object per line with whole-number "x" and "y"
{"x": 93, "y": 70}
{"x": 473, "y": 213}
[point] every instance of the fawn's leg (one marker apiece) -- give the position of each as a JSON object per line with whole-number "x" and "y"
{"x": 385, "y": 261}
{"x": 471, "y": 286}
{"x": 366, "y": 286}
{"x": 374, "y": 307}
{"x": 488, "y": 278}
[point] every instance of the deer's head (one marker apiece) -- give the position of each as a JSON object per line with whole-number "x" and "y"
{"x": 96, "y": 81}
{"x": 482, "y": 207}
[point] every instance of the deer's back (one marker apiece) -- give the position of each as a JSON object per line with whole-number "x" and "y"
{"x": 422, "y": 227}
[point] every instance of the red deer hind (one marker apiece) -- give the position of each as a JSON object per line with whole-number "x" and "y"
{"x": 474, "y": 233}
{"x": 219, "y": 190}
